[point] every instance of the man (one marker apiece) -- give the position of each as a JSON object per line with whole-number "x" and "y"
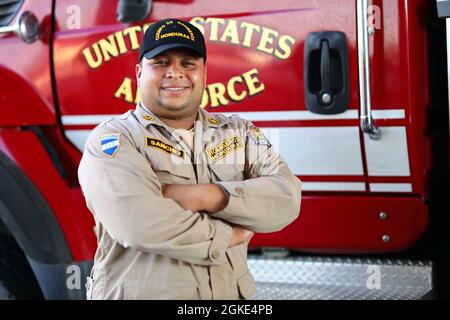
{"x": 176, "y": 192}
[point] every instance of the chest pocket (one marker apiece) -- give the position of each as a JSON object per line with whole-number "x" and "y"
{"x": 169, "y": 172}
{"x": 226, "y": 160}
{"x": 165, "y": 160}
{"x": 167, "y": 177}
{"x": 227, "y": 172}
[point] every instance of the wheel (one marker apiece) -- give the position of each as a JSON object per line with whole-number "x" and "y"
{"x": 17, "y": 281}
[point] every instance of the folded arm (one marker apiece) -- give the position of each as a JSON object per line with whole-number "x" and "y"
{"x": 267, "y": 202}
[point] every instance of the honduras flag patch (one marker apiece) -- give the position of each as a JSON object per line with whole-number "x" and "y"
{"x": 110, "y": 143}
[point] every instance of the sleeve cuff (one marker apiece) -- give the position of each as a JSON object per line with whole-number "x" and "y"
{"x": 220, "y": 242}
{"x": 236, "y": 192}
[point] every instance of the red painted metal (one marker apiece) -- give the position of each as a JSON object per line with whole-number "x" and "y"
{"x": 26, "y": 96}
{"x": 224, "y": 60}
{"x": 67, "y": 203}
{"x": 352, "y": 229}
{"x": 329, "y": 221}
{"x": 22, "y": 103}
{"x": 26, "y": 99}
{"x": 400, "y": 76}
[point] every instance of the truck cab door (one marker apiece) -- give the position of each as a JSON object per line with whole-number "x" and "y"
{"x": 293, "y": 69}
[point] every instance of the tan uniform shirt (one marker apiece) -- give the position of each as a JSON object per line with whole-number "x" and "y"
{"x": 151, "y": 248}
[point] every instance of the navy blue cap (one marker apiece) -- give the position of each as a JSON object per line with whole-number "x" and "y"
{"x": 169, "y": 34}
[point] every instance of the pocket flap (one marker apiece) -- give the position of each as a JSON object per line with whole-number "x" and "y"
{"x": 247, "y": 285}
{"x": 228, "y": 172}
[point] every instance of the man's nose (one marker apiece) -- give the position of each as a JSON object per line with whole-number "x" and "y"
{"x": 175, "y": 71}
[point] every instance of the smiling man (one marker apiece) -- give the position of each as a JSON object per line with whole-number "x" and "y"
{"x": 177, "y": 193}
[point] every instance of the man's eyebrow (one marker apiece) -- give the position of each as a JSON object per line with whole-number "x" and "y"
{"x": 159, "y": 56}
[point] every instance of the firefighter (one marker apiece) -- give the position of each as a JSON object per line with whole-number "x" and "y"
{"x": 176, "y": 192}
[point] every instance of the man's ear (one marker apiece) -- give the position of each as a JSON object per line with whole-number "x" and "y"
{"x": 205, "y": 76}
{"x": 138, "y": 70}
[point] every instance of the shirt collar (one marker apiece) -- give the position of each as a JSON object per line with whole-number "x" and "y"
{"x": 146, "y": 117}
{"x": 209, "y": 120}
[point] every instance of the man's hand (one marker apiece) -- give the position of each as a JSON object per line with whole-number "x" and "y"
{"x": 197, "y": 197}
{"x": 205, "y": 197}
{"x": 240, "y": 235}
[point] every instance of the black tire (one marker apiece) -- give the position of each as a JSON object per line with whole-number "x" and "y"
{"x": 17, "y": 281}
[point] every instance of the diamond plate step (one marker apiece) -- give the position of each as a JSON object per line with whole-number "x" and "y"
{"x": 319, "y": 278}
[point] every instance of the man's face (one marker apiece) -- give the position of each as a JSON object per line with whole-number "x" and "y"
{"x": 172, "y": 83}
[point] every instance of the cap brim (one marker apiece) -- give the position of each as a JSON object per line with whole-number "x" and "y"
{"x": 153, "y": 53}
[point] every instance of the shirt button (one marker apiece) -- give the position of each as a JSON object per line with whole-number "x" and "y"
{"x": 216, "y": 254}
{"x": 239, "y": 191}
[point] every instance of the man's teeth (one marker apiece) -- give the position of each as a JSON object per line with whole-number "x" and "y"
{"x": 174, "y": 89}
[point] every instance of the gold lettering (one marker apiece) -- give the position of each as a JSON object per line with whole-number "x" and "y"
{"x": 283, "y": 44}
{"x": 266, "y": 39}
{"x": 137, "y": 99}
{"x": 270, "y": 41}
{"x": 108, "y": 47}
{"x": 217, "y": 94}
{"x": 121, "y": 42}
{"x": 125, "y": 91}
{"x": 132, "y": 35}
{"x": 230, "y": 32}
{"x": 198, "y": 22}
{"x": 174, "y": 34}
{"x": 249, "y": 28}
{"x": 158, "y": 32}
{"x": 251, "y": 79}
{"x": 232, "y": 91}
{"x": 214, "y": 27}
{"x": 191, "y": 34}
{"x": 224, "y": 148}
{"x": 163, "y": 146}
{"x": 94, "y": 64}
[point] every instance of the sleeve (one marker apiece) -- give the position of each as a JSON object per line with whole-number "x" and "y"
{"x": 124, "y": 194}
{"x": 270, "y": 201}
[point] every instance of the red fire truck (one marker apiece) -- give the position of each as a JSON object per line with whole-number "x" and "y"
{"x": 352, "y": 93}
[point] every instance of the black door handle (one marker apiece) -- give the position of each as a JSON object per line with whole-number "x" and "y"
{"x": 133, "y": 10}
{"x": 326, "y": 77}
{"x": 325, "y": 73}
